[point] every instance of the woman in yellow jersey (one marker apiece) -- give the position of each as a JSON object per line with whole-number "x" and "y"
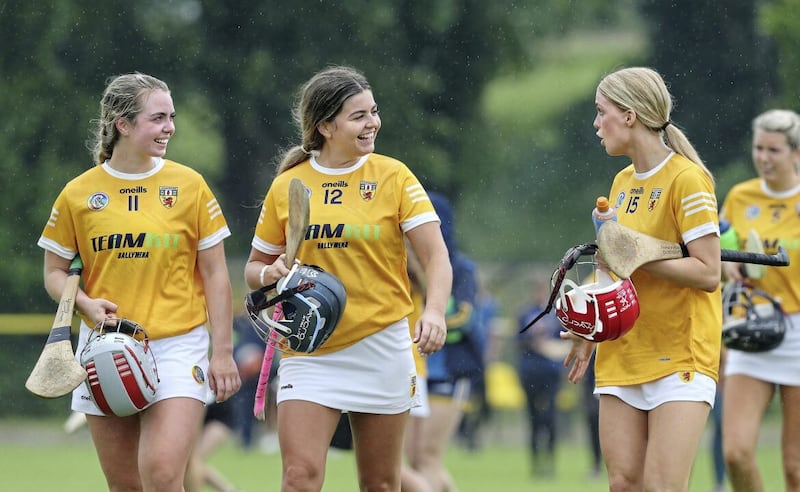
{"x": 657, "y": 383}
{"x": 362, "y": 204}
{"x": 150, "y": 234}
{"x": 768, "y": 204}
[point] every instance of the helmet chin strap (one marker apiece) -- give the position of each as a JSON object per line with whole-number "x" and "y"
{"x": 285, "y": 280}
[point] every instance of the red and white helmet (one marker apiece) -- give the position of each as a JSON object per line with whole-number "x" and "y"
{"x": 600, "y": 311}
{"x": 122, "y": 370}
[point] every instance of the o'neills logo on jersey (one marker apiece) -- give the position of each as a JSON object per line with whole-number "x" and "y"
{"x": 367, "y": 190}
{"x": 168, "y": 195}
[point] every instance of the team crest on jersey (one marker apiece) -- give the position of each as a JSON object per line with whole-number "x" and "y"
{"x": 686, "y": 376}
{"x": 168, "y": 195}
{"x": 752, "y": 212}
{"x": 98, "y": 201}
{"x": 655, "y": 194}
{"x": 367, "y": 190}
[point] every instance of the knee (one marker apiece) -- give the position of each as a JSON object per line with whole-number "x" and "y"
{"x": 622, "y": 483}
{"x": 161, "y": 475}
{"x": 302, "y": 477}
{"x": 737, "y": 456}
{"x": 379, "y": 484}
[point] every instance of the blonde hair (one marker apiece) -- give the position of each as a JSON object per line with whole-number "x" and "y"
{"x": 320, "y": 100}
{"x": 122, "y": 98}
{"x": 781, "y": 121}
{"x": 643, "y": 90}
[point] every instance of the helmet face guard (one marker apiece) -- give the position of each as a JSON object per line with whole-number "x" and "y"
{"x": 753, "y": 321}
{"x": 311, "y": 302}
{"x": 600, "y": 311}
{"x": 603, "y": 310}
{"x": 570, "y": 259}
{"x": 122, "y": 374}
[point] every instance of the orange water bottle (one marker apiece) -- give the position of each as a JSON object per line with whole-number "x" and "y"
{"x": 602, "y": 212}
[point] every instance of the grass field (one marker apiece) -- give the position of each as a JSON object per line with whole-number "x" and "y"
{"x": 39, "y": 456}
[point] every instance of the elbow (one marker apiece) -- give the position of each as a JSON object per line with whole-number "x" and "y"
{"x": 710, "y": 287}
{"x": 710, "y": 283}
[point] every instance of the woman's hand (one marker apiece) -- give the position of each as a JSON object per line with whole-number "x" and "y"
{"x": 430, "y": 332}
{"x": 579, "y": 356}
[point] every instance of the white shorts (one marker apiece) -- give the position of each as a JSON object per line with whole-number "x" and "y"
{"x": 375, "y": 375}
{"x": 674, "y": 387}
{"x": 424, "y": 409}
{"x": 780, "y": 365}
{"x": 181, "y": 361}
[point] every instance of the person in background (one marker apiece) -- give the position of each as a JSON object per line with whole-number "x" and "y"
{"x": 717, "y": 453}
{"x": 657, "y": 383}
{"x": 180, "y": 294}
{"x": 366, "y": 367}
{"x": 451, "y": 370}
{"x": 248, "y": 351}
{"x": 217, "y": 429}
{"x": 411, "y": 480}
{"x": 540, "y": 374}
{"x": 769, "y": 205}
{"x": 591, "y": 407}
{"x": 478, "y": 410}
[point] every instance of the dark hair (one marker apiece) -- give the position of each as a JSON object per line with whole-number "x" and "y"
{"x": 320, "y": 100}
{"x": 121, "y": 99}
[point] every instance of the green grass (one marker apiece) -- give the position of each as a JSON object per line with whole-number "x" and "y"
{"x": 39, "y": 456}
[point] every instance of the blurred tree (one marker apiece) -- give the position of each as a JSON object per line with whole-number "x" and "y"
{"x": 718, "y": 65}
{"x": 780, "y": 21}
{"x": 427, "y": 62}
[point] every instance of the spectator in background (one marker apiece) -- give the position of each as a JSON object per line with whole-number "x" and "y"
{"x": 591, "y": 405}
{"x": 478, "y": 410}
{"x": 248, "y": 352}
{"x": 218, "y": 428}
{"x": 540, "y": 372}
{"x": 452, "y": 370}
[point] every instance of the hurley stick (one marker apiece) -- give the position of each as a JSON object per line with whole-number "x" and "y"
{"x": 624, "y": 250}
{"x": 296, "y": 228}
{"x": 57, "y": 372}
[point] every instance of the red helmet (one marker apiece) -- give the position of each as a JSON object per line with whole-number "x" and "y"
{"x": 600, "y": 311}
{"x": 122, "y": 375}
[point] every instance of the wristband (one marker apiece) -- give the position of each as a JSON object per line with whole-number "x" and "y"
{"x": 261, "y": 275}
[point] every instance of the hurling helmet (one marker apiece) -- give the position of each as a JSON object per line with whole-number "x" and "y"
{"x": 753, "y": 321}
{"x": 122, "y": 375}
{"x": 310, "y": 302}
{"x": 599, "y": 311}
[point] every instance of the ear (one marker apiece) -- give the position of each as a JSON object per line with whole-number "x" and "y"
{"x": 630, "y": 117}
{"x": 123, "y": 126}
{"x": 325, "y": 129}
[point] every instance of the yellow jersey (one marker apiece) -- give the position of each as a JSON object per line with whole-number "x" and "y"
{"x": 138, "y": 236}
{"x": 775, "y": 216}
{"x": 358, "y": 217}
{"x": 679, "y": 328}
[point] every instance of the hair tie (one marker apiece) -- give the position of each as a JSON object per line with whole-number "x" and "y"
{"x": 665, "y": 125}
{"x": 303, "y": 148}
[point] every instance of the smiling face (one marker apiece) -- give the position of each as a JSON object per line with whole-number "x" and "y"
{"x": 612, "y": 126}
{"x": 147, "y": 136}
{"x": 774, "y": 159}
{"x": 352, "y": 133}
